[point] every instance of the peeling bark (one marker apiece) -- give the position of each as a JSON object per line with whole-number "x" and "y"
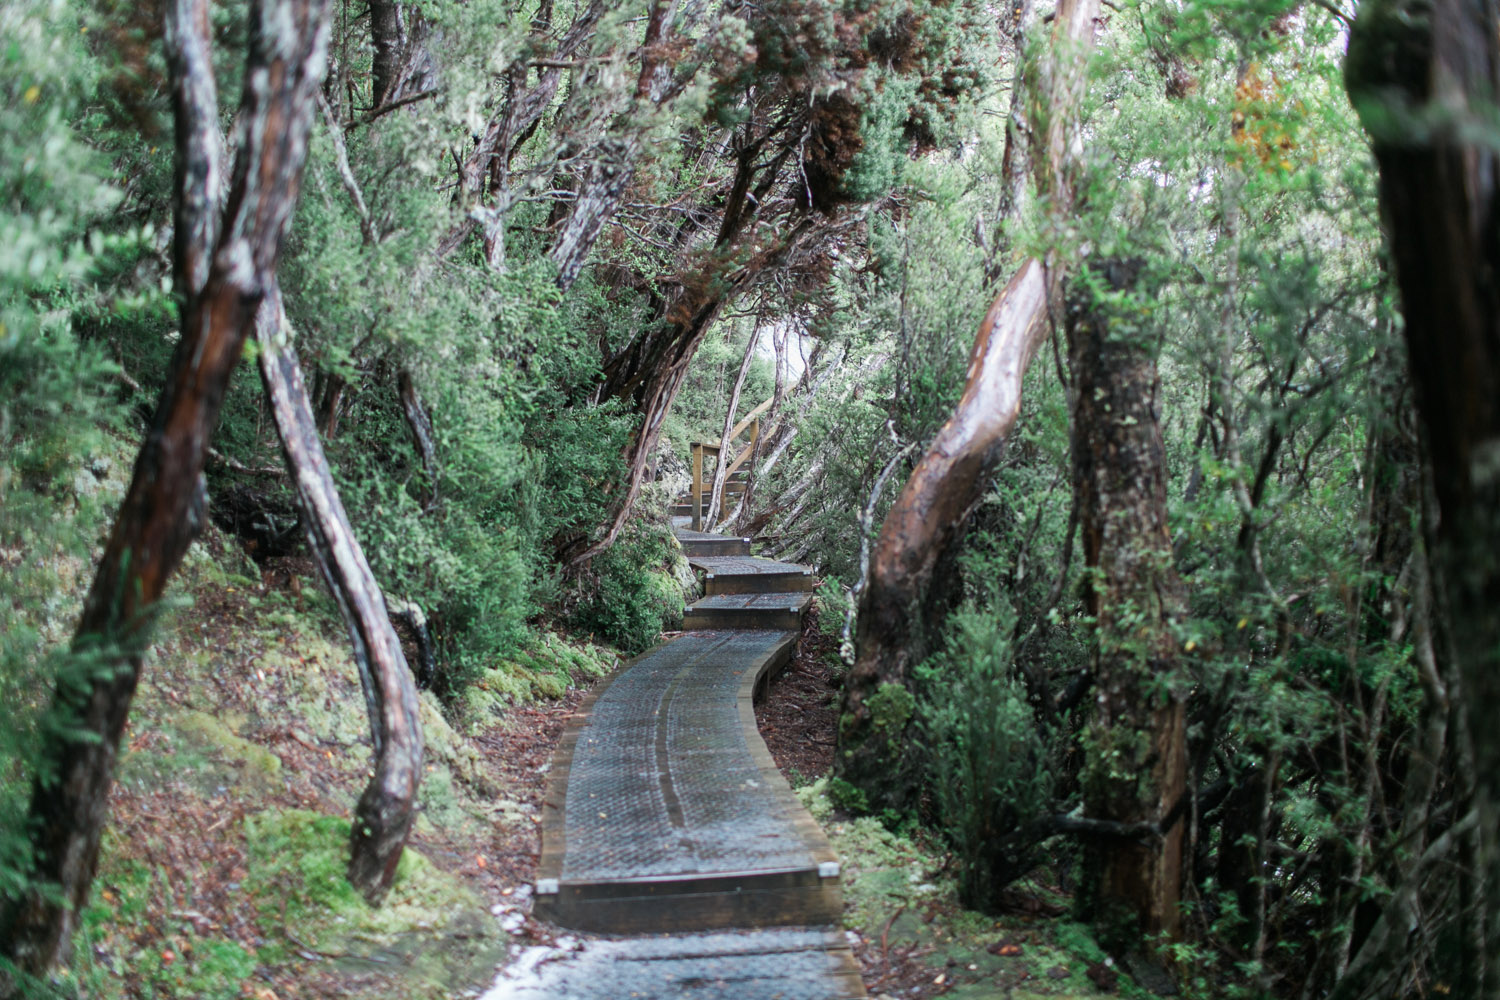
{"x": 921, "y": 525}
{"x": 387, "y": 808}
{"x": 223, "y": 282}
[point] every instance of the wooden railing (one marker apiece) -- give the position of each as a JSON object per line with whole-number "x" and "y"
{"x": 700, "y": 488}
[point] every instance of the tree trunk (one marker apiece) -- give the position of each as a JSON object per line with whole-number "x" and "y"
{"x": 388, "y": 39}
{"x": 658, "y": 391}
{"x": 927, "y": 518}
{"x": 420, "y": 423}
{"x": 1137, "y": 760}
{"x": 330, "y": 404}
{"x": 1424, "y": 83}
{"x": 164, "y": 505}
{"x": 919, "y": 527}
{"x": 386, "y": 810}
{"x": 716, "y": 497}
{"x": 598, "y": 197}
{"x": 651, "y": 370}
{"x": 1015, "y": 162}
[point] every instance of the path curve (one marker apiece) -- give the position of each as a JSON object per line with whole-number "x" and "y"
{"x": 667, "y": 819}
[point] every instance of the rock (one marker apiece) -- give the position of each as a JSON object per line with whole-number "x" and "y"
{"x": 1148, "y": 973}
{"x": 1102, "y": 976}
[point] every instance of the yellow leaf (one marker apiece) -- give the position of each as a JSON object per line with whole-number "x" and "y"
{"x": 32, "y": 93}
{"x": 1243, "y": 623}
{"x": 1191, "y": 645}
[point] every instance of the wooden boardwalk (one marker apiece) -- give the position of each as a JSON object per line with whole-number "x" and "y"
{"x": 666, "y": 818}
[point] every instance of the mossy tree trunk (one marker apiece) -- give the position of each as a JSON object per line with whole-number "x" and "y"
{"x": 225, "y": 260}
{"x": 1136, "y": 765}
{"x": 1425, "y": 79}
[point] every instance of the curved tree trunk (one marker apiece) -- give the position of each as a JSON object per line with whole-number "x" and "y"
{"x": 651, "y": 370}
{"x": 922, "y": 524}
{"x": 599, "y": 195}
{"x": 224, "y": 269}
{"x": 386, "y": 810}
{"x": 1424, "y": 80}
{"x": 419, "y": 421}
{"x": 927, "y": 518}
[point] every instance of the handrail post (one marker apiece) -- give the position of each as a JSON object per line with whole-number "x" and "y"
{"x": 697, "y": 486}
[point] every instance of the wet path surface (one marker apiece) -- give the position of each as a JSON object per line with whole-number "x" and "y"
{"x": 669, "y": 836}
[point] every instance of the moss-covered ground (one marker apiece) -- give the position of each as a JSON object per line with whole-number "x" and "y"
{"x": 222, "y": 872}
{"x": 914, "y": 939}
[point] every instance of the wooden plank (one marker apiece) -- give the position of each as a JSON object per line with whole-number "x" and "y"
{"x": 717, "y": 545}
{"x": 715, "y": 584}
{"x": 750, "y": 575}
{"x": 749, "y": 418}
{"x": 766, "y": 900}
{"x": 778, "y": 610}
{"x": 741, "y": 618}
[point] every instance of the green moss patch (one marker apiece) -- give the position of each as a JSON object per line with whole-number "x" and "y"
{"x": 257, "y": 767}
{"x": 544, "y": 669}
{"x": 431, "y": 927}
{"x": 902, "y": 890}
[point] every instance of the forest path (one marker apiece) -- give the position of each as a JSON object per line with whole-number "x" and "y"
{"x": 667, "y": 826}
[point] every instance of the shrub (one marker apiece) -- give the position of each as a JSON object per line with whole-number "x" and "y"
{"x": 986, "y": 757}
{"x": 632, "y": 592}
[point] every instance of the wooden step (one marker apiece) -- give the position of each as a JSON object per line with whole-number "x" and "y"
{"x": 703, "y": 543}
{"x": 664, "y": 904}
{"x": 750, "y": 575}
{"x": 747, "y": 611}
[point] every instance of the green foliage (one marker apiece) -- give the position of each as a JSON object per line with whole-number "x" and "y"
{"x": 986, "y": 757}
{"x": 58, "y": 409}
{"x": 633, "y": 592}
{"x": 847, "y": 797}
{"x": 891, "y": 707}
